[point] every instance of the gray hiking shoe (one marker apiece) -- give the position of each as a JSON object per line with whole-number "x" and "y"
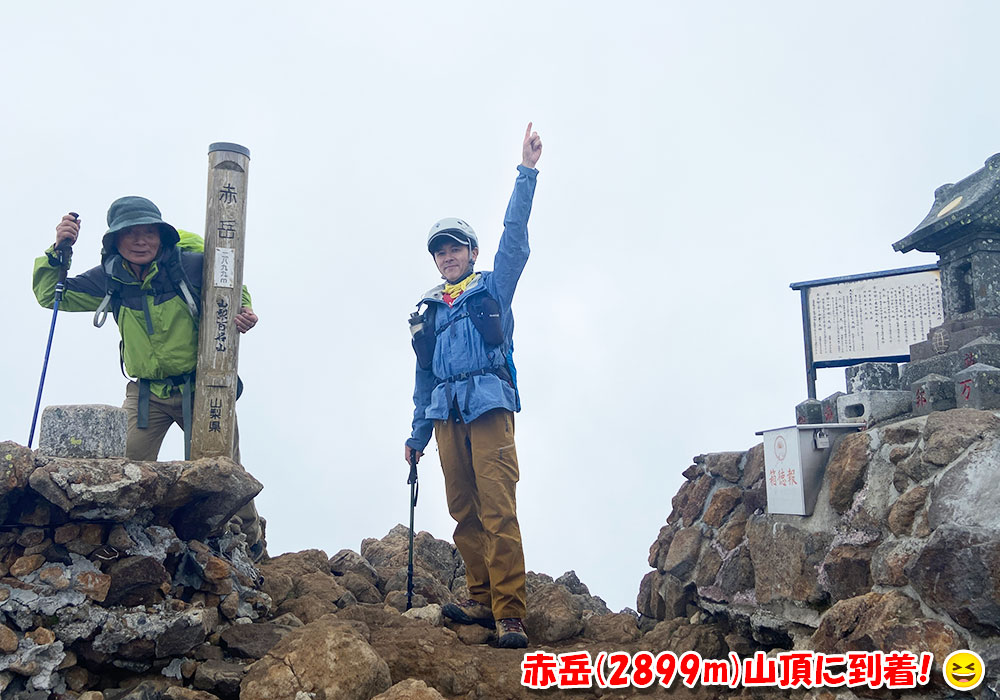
{"x": 511, "y": 632}
{"x": 469, "y": 612}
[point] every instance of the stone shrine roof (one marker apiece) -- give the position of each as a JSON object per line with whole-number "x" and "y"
{"x": 972, "y": 204}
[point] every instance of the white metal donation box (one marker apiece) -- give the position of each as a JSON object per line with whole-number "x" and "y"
{"x": 794, "y": 461}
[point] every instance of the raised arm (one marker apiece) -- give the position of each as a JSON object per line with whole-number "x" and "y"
{"x": 512, "y": 253}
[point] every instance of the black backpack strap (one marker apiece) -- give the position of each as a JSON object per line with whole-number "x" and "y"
{"x": 182, "y": 285}
{"x": 142, "y": 419}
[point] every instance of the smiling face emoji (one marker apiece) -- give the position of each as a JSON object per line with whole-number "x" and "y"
{"x": 963, "y": 669}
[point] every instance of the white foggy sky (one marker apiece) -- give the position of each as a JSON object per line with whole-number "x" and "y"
{"x": 698, "y": 157}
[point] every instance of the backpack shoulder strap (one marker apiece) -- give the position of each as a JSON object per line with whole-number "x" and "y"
{"x": 113, "y": 290}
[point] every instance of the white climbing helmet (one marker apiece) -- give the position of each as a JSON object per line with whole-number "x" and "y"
{"x": 455, "y": 229}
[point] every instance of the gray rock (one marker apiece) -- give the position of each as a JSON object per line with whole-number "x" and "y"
{"x": 166, "y": 630}
{"x": 252, "y": 641}
{"x": 105, "y": 489}
{"x": 37, "y": 661}
{"x": 573, "y": 583}
{"x": 206, "y": 495}
{"x": 436, "y": 558}
{"x": 219, "y": 677}
{"x": 956, "y": 572}
{"x": 89, "y": 431}
{"x": 347, "y": 561}
{"x": 968, "y": 491}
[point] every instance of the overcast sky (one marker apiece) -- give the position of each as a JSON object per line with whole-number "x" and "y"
{"x": 698, "y": 158}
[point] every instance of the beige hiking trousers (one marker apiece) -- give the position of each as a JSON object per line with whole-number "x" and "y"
{"x": 480, "y": 477}
{"x": 144, "y": 444}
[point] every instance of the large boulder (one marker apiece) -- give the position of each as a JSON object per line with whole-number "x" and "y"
{"x": 968, "y": 492}
{"x": 957, "y": 573}
{"x": 553, "y": 615}
{"x": 846, "y": 469}
{"x": 948, "y": 433}
{"x": 104, "y": 489}
{"x": 786, "y": 560}
{"x": 329, "y": 659}
{"x": 883, "y": 622}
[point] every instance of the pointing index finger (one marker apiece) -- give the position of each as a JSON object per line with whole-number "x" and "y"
{"x": 527, "y": 132}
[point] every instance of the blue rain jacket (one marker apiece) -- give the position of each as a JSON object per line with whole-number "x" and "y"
{"x": 460, "y": 348}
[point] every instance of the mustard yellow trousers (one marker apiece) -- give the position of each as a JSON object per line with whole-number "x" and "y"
{"x": 480, "y": 477}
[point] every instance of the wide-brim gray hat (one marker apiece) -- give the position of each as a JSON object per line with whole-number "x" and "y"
{"x": 126, "y": 212}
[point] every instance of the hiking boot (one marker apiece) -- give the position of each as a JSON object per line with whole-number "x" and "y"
{"x": 469, "y": 613}
{"x": 511, "y": 633}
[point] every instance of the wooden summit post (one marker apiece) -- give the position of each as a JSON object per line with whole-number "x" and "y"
{"x": 214, "y": 415}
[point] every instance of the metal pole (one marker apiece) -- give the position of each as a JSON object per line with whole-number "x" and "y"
{"x": 214, "y": 414}
{"x": 807, "y": 338}
{"x": 60, "y": 286}
{"x": 414, "y": 491}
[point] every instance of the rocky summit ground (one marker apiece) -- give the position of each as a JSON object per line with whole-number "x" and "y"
{"x": 149, "y": 581}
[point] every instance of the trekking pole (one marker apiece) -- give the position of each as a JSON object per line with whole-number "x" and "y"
{"x": 61, "y": 250}
{"x": 414, "y": 491}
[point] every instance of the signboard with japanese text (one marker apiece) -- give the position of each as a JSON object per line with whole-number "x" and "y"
{"x": 871, "y": 317}
{"x": 874, "y": 318}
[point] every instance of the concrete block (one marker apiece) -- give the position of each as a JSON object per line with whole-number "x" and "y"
{"x": 978, "y": 387}
{"x": 935, "y": 392}
{"x": 89, "y": 431}
{"x": 829, "y": 405}
{"x": 870, "y": 407}
{"x": 872, "y": 376}
{"x": 809, "y": 411}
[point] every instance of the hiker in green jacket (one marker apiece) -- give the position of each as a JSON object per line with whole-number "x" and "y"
{"x": 152, "y": 287}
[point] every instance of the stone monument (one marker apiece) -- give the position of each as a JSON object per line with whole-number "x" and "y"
{"x": 963, "y": 228}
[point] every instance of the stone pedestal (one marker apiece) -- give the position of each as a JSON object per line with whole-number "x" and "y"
{"x": 935, "y": 392}
{"x": 89, "y": 431}
{"x": 809, "y": 412}
{"x": 978, "y": 387}
{"x": 829, "y": 407}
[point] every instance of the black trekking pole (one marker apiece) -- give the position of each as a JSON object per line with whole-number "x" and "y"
{"x": 61, "y": 250}
{"x": 414, "y": 491}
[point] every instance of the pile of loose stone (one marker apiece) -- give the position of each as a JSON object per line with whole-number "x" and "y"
{"x": 128, "y": 580}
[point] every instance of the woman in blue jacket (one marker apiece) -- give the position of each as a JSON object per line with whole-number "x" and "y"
{"x": 466, "y": 392}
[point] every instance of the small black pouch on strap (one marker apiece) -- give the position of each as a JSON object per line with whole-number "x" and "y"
{"x": 485, "y": 314}
{"x": 424, "y": 339}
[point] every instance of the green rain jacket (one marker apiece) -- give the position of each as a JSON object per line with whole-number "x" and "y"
{"x": 159, "y": 335}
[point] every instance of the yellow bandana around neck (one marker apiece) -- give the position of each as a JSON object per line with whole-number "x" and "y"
{"x": 453, "y": 290}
